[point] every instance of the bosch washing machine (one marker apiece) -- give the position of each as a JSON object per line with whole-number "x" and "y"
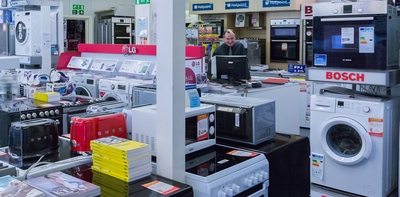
{"x": 354, "y": 143}
{"x": 28, "y": 29}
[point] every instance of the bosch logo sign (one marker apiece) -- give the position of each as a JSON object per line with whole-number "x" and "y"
{"x": 345, "y": 76}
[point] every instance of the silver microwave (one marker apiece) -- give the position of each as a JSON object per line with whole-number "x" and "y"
{"x": 199, "y": 127}
{"x": 246, "y": 120}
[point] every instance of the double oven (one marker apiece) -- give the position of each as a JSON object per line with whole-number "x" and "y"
{"x": 285, "y": 40}
{"x": 356, "y": 35}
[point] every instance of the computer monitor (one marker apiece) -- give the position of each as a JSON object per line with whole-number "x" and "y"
{"x": 230, "y": 67}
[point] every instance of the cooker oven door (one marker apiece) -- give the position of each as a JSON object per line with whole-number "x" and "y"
{"x": 350, "y": 42}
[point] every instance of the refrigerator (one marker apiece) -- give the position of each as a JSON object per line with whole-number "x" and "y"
{"x": 7, "y": 34}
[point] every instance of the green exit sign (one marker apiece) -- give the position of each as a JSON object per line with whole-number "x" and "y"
{"x": 78, "y": 7}
{"x": 138, "y": 2}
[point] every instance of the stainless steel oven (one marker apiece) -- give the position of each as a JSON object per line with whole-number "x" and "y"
{"x": 358, "y": 35}
{"x": 122, "y": 30}
{"x": 285, "y": 40}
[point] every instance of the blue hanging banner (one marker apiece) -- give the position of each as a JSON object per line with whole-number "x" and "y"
{"x": 275, "y": 3}
{"x": 202, "y": 6}
{"x": 230, "y": 5}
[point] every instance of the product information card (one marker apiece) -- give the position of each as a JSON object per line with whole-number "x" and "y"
{"x": 135, "y": 66}
{"x": 107, "y": 65}
{"x": 80, "y": 62}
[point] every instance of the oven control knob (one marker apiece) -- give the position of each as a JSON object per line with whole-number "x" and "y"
{"x": 212, "y": 118}
{"x": 221, "y": 194}
{"x": 366, "y": 109}
{"x": 236, "y": 188}
{"x": 51, "y": 112}
{"x": 254, "y": 179}
{"x": 78, "y": 103}
{"x": 360, "y": 10}
{"x": 46, "y": 113}
{"x": 57, "y": 112}
{"x": 112, "y": 86}
{"x": 23, "y": 117}
{"x": 229, "y": 191}
{"x": 335, "y": 11}
{"x": 264, "y": 174}
{"x": 259, "y": 177}
{"x": 41, "y": 114}
{"x": 212, "y": 130}
{"x": 248, "y": 182}
{"x": 28, "y": 116}
{"x": 34, "y": 115}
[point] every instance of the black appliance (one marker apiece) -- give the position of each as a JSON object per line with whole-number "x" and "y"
{"x": 358, "y": 35}
{"x": 308, "y": 57}
{"x": 289, "y": 163}
{"x": 20, "y": 109}
{"x": 33, "y": 138}
{"x": 285, "y": 40}
{"x": 216, "y": 21}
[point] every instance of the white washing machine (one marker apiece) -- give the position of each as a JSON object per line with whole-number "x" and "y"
{"x": 28, "y": 30}
{"x": 86, "y": 84}
{"x": 354, "y": 143}
{"x": 118, "y": 89}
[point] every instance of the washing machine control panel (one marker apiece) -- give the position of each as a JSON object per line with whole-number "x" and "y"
{"x": 349, "y": 106}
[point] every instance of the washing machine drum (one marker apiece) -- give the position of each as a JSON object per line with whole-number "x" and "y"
{"x": 346, "y": 141}
{"x": 21, "y": 32}
{"x": 80, "y": 90}
{"x": 111, "y": 97}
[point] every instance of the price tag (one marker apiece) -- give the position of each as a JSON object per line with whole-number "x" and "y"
{"x": 107, "y": 65}
{"x": 80, "y": 62}
{"x": 135, "y": 66}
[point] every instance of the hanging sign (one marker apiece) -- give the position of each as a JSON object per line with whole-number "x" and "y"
{"x": 202, "y": 6}
{"x": 275, "y": 3}
{"x": 140, "y": 2}
{"x": 236, "y": 5}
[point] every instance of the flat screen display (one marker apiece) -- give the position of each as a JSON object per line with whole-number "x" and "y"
{"x": 232, "y": 67}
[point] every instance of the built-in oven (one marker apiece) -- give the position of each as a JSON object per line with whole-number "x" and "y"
{"x": 216, "y": 21}
{"x": 307, "y": 42}
{"x": 357, "y": 35}
{"x": 122, "y": 30}
{"x": 285, "y": 40}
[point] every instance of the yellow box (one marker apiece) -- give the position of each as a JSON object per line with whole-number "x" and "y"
{"x": 47, "y": 96}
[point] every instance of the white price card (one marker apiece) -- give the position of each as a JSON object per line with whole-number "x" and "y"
{"x": 80, "y": 62}
{"x": 135, "y": 66}
{"x": 154, "y": 72}
{"x": 107, "y": 65}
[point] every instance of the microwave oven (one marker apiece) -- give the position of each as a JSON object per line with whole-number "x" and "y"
{"x": 246, "y": 120}
{"x": 199, "y": 127}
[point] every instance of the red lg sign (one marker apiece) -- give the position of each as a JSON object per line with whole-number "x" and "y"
{"x": 308, "y": 10}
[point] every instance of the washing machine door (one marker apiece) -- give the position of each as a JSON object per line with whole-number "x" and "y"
{"x": 21, "y": 32}
{"x": 81, "y": 90}
{"x": 111, "y": 97}
{"x": 346, "y": 141}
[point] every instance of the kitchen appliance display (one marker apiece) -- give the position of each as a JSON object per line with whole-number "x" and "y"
{"x": 356, "y": 35}
{"x": 285, "y": 40}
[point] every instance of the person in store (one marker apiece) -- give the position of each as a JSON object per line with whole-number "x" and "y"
{"x": 230, "y": 46}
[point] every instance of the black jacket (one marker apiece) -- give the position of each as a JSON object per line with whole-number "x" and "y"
{"x": 223, "y": 49}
